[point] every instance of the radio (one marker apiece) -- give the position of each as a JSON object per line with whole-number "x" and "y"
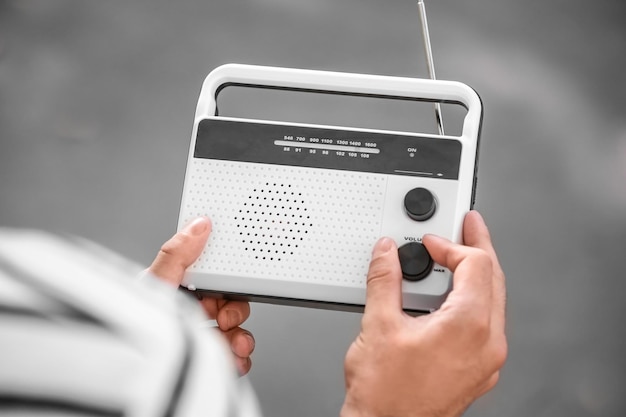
{"x": 297, "y": 208}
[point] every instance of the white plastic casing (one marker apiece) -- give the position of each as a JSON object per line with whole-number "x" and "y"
{"x": 314, "y": 246}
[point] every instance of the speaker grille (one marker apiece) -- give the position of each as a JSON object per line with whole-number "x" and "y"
{"x": 290, "y": 223}
{"x": 273, "y": 222}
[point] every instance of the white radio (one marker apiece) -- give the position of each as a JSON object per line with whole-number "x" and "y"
{"x": 297, "y": 208}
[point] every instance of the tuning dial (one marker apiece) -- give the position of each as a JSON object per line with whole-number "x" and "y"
{"x": 420, "y": 204}
{"x": 415, "y": 261}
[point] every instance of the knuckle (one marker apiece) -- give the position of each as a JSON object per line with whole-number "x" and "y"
{"x": 402, "y": 342}
{"x": 467, "y": 322}
{"x": 169, "y": 248}
{"x": 477, "y": 325}
{"x": 482, "y": 330}
{"x": 499, "y": 353}
{"x": 492, "y": 381}
{"x": 483, "y": 260}
{"x": 494, "y": 356}
{"x": 173, "y": 249}
{"x": 415, "y": 345}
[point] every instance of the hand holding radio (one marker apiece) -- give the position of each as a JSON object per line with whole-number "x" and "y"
{"x": 170, "y": 265}
{"x": 437, "y": 364}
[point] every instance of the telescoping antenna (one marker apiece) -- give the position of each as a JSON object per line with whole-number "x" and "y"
{"x": 429, "y": 59}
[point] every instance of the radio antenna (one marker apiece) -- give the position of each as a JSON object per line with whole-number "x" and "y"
{"x": 429, "y": 60}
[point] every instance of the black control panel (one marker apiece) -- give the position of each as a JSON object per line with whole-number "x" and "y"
{"x": 318, "y": 147}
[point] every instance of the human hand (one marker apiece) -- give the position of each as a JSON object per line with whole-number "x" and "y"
{"x": 175, "y": 256}
{"x": 437, "y": 364}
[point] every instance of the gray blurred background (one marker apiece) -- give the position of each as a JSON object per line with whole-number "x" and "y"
{"x": 96, "y": 107}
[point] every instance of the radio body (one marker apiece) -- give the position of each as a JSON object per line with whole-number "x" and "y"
{"x": 296, "y": 208}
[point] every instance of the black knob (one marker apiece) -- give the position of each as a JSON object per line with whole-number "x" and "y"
{"x": 415, "y": 261}
{"x": 420, "y": 204}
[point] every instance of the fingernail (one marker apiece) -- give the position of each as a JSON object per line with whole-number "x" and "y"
{"x": 251, "y": 341}
{"x": 198, "y": 226}
{"x": 384, "y": 245}
{"x": 477, "y": 215}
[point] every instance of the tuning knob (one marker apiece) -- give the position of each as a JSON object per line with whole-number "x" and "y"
{"x": 420, "y": 204}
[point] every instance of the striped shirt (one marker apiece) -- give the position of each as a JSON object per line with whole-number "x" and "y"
{"x": 79, "y": 336}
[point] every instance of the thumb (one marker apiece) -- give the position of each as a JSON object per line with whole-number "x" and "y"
{"x": 182, "y": 250}
{"x": 384, "y": 280}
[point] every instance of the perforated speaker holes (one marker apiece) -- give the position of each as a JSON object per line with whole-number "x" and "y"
{"x": 273, "y": 222}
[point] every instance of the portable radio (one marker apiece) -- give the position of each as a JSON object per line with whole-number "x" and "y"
{"x": 297, "y": 208}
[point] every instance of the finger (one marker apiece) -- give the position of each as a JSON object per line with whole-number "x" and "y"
{"x": 476, "y": 234}
{"x": 181, "y": 251}
{"x": 241, "y": 342}
{"x": 384, "y": 280}
{"x": 232, "y": 314}
{"x": 475, "y": 231}
{"x": 243, "y": 365}
{"x": 210, "y": 306}
{"x": 449, "y": 254}
{"x": 472, "y": 272}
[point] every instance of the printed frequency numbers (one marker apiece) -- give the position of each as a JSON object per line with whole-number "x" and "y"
{"x": 329, "y": 147}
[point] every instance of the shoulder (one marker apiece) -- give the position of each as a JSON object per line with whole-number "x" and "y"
{"x": 80, "y": 334}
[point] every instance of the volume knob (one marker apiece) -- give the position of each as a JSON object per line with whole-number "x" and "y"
{"x": 420, "y": 204}
{"x": 415, "y": 261}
